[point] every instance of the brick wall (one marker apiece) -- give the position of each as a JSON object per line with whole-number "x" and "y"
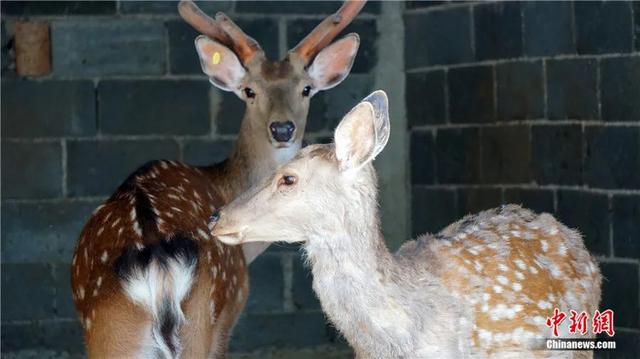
{"x": 126, "y": 87}
{"x": 538, "y": 104}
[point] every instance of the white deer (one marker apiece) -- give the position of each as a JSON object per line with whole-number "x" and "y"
{"x": 482, "y": 287}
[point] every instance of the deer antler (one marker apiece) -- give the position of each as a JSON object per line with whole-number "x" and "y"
{"x": 221, "y": 29}
{"x": 327, "y": 30}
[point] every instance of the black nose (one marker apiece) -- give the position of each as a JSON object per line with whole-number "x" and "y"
{"x": 213, "y": 219}
{"x": 282, "y": 131}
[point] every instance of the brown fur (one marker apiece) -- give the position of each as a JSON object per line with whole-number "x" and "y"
{"x": 184, "y": 197}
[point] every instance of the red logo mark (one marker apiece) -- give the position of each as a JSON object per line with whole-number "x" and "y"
{"x": 603, "y": 322}
{"x": 578, "y": 322}
{"x": 555, "y": 320}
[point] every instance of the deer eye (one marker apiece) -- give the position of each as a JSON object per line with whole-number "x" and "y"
{"x": 249, "y": 92}
{"x": 287, "y": 180}
{"x": 306, "y": 91}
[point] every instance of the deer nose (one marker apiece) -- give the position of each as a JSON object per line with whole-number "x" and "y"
{"x": 282, "y": 131}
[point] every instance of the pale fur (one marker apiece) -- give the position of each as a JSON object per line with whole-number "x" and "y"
{"x": 156, "y": 286}
{"x": 388, "y": 305}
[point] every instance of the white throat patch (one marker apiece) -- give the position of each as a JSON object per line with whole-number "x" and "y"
{"x": 285, "y": 154}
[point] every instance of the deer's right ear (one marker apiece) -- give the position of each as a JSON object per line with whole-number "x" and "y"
{"x": 219, "y": 63}
{"x": 333, "y": 63}
{"x": 363, "y": 132}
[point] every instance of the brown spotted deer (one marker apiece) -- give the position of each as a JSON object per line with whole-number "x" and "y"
{"x": 147, "y": 278}
{"x": 482, "y": 287}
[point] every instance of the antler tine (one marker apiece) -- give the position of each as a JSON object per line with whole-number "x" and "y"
{"x": 192, "y": 14}
{"x": 222, "y": 29}
{"x": 328, "y": 29}
{"x": 244, "y": 45}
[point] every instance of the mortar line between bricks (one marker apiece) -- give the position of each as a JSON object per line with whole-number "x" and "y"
{"x": 628, "y": 330}
{"x": 598, "y": 91}
{"x": 522, "y": 59}
{"x": 480, "y": 167}
{"x": 63, "y": 160}
{"x": 494, "y": 79}
{"x": 618, "y": 260}
{"x": 58, "y": 200}
{"x": 534, "y": 122}
{"x": 522, "y": 31}
{"x": 282, "y": 37}
{"x": 54, "y": 276}
{"x": 472, "y": 32}
{"x": 610, "y": 222}
{"x": 286, "y": 259}
{"x": 173, "y": 16}
{"x": 118, "y": 7}
{"x": 530, "y": 186}
{"x": 168, "y": 77}
{"x": 39, "y": 321}
{"x": 124, "y": 137}
{"x": 447, "y": 104}
{"x": 545, "y": 89}
{"x": 433, "y": 159}
{"x": 574, "y": 32}
{"x": 633, "y": 26}
{"x": 449, "y": 6}
{"x": 107, "y": 137}
{"x": 167, "y": 49}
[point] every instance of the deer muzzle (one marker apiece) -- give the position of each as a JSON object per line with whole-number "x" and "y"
{"x": 282, "y": 131}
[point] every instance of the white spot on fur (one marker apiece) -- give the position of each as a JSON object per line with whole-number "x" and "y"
{"x": 498, "y": 289}
{"x": 543, "y": 304}
{"x": 503, "y": 267}
{"x": 562, "y": 249}
{"x": 545, "y": 245}
{"x": 485, "y": 335}
{"x": 519, "y": 275}
{"x": 99, "y": 282}
{"x": 502, "y": 280}
{"x": 517, "y": 287}
{"x": 477, "y": 265}
{"x": 104, "y": 257}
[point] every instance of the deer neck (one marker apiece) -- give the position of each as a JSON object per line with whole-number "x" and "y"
{"x": 253, "y": 158}
{"x": 358, "y": 281}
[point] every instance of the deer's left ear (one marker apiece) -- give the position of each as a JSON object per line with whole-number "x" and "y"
{"x": 363, "y": 132}
{"x": 333, "y": 63}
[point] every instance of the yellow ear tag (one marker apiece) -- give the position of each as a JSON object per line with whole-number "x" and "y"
{"x": 215, "y": 58}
